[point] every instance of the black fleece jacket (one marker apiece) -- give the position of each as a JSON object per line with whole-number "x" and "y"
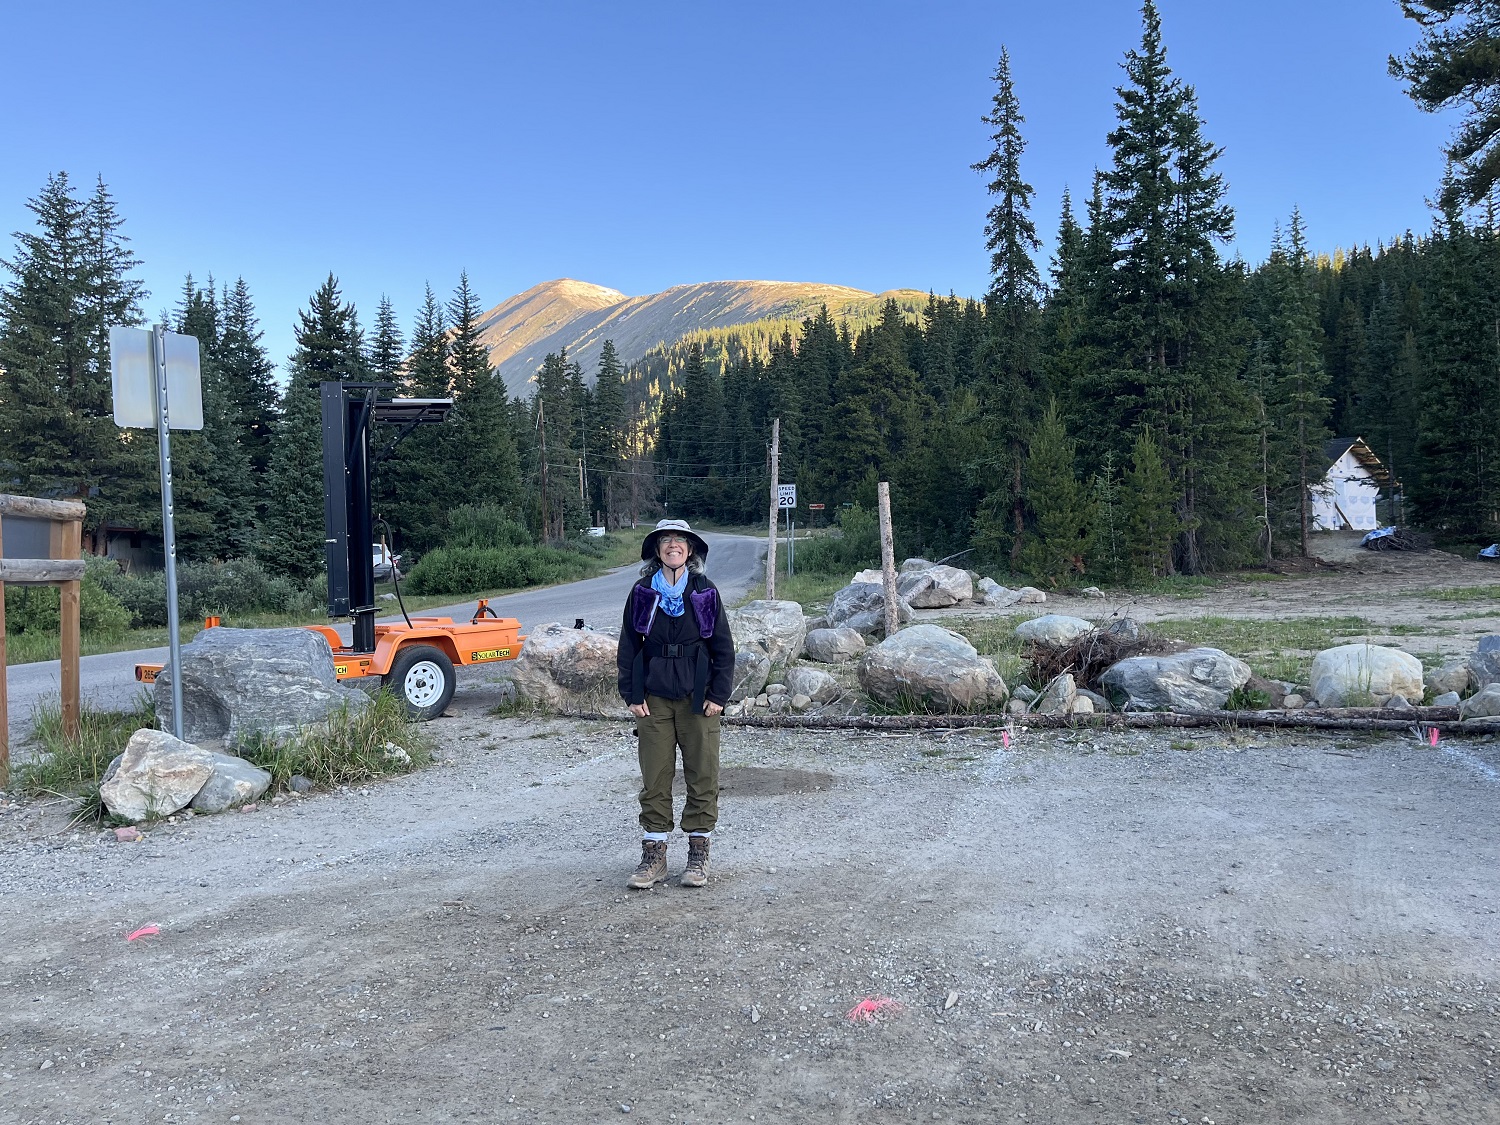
{"x": 705, "y": 670}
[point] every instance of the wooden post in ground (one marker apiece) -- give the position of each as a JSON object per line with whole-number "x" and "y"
{"x": 775, "y": 509}
{"x": 66, "y": 544}
{"x": 888, "y": 561}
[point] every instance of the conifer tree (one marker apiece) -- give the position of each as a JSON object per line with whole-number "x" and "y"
{"x": 70, "y": 282}
{"x": 387, "y": 349}
{"x": 249, "y": 380}
{"x": 1059, "y": 505}
{"x": 483, "y": 465}
{"x": 328, "y": 348}
{"x": 1108, "y": 543}
{"x": 411, "y": 487}
{"x": 608, "y": 447}
{"x": 1151, "y": 521}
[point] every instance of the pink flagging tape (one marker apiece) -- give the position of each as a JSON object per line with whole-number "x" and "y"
{"x": 144, "y": 931}
{"x": 872, "y": 1008}
{"x": 1005, "y": 738}
{"x": 1432, "y": 737}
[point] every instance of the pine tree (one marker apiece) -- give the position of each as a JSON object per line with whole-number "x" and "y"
{"x": 1059, "y": 505}
{"x": 1151, "y": 522}
{"x": 1010, "y": 235}
{"x": 71, "y": 281}
{"x": 249, "y": 380}
{"x": 1108, "y": 544}
{"x": 609, "y": 443}
{"x": 411, "y": 487}
{"x": 483, "y": 465}
{"x": 387, "y": 353}
{"x": 328, "y": 348}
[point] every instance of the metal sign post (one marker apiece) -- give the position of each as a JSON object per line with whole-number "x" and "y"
{"x": 168, "y": 527}
{"x": 149, "y": 369}
{"x": 786, "y": 499}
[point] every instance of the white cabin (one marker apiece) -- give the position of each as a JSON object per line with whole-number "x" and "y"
{"x": 1344, "y": 500}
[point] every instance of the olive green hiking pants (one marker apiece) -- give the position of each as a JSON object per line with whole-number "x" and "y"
{"x": 673, "y": 723}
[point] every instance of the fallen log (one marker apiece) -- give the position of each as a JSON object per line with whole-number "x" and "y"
{"x": 1333, "y": 718}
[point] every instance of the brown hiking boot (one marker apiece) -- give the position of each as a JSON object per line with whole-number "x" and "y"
{"x": 696, "y": 874}
{"x": 653, "y": 867}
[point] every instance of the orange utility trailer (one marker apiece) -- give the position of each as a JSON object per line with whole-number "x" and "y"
{"x": 415, "y": 657}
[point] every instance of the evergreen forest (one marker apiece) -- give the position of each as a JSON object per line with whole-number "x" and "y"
{"x": 1142, "y": 404}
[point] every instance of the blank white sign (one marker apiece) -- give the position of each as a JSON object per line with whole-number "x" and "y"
{"x": 132, "y": 372}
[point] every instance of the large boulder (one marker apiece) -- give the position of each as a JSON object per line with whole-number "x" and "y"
{"x": 156, "y": 776}
{"x": 1360, "y": 674}
{"x": 931, "y": 667}
{"x": 936, "y": 587}
{"x": 752, "y": 671}
{"x": 775, "y": 628}
{"x": 561, "y": 667}
{"x": 1485, "y": 663}
{"x": 834, "y": 646}
{"x": 1200, "y": 679}
{"x": 1053, "y": 630}
{"x": 1483, "y": 704}
{"x": 861, "y": 606}
{"x": 234, "y": 782}
{"x": 816, "y": 684}
{"x": 238, "y": 682}
{"x": 989, "y": 592}
{"x": 914, "y": 566}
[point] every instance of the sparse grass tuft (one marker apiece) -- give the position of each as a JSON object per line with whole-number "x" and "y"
{"x": 1465, "y": 594}
{"x": 808, "y": 590}
{"x": 1279, "y": 649}
{"x": 347, "y": 749}
{"x": 73, "y": 767}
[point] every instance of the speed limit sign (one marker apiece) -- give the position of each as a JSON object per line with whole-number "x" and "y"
{"x": 786, "y": 495}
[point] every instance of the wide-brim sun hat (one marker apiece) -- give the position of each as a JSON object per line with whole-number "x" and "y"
{"x": 648, "y": 545}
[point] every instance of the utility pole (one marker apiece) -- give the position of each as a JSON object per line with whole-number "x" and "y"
{"x": 775, "y": 512}
{"x": 541, "y": 425}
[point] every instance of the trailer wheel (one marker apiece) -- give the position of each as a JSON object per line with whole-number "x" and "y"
{"x": 422, "y": 677}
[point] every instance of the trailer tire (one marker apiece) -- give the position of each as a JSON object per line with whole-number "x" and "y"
{"x": 422, "y": 677}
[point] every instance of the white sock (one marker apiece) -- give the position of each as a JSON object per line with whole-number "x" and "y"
{"x": 705, "y": 835}
{"x": 656, "y": 837}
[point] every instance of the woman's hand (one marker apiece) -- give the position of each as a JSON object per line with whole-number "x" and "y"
{"x": 639, "y": 710}
{"x": 711, "y": 709}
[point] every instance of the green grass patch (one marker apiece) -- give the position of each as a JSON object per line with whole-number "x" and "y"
{"x": 347, "y": 749}
{"x": 1281, "y": 648}
{"x": 995, "y": 638}
{"x": 808, "y": 590}
{"x": 1177, "y": 586}
{"x": 73, "y": 767}
{"x": 1465, "y": 594}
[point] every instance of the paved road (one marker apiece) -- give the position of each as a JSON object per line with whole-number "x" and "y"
{"x": 108, "y": 680}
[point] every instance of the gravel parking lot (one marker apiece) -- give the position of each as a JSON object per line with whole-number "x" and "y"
{"x": 1221, "y": 926}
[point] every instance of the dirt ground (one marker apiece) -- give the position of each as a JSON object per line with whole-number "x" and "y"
{"x": 1209, "y": 926}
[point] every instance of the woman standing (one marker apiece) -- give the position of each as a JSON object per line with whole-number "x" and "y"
{"x": 676, "y": 662}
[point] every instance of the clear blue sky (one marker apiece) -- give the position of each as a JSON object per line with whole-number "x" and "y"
{"x": 642, "y": 145}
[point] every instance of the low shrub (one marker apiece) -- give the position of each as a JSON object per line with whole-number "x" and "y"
{"x": 856, "y": 546}
{"x": 484, "y": 525}
{"x": 239, "y": 586}
{"x": 468, "y": 570}
{"x": 347, "y": 749}
{"x": 37, "y": 609}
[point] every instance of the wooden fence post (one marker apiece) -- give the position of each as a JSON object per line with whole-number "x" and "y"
{"x": 888, "y": 561}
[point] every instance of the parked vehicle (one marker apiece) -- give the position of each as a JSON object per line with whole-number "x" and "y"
{"x": 386, "y": 563}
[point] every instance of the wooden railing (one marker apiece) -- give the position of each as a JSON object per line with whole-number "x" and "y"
{"x": 63, "y": 569}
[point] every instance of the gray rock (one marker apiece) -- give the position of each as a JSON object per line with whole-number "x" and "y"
{"x": 561, "y": 667}
{"x": 834, "y": 646}
{"x": 1081, "y": 705}
{"x": 751, "y": 671}
{"x": 1293, "y": 702}
{"x": 1058, "y": 698}
{"x": 1030, "y": 595}
{"x": 238, "y": 682}
{"x": 1200, "y": 679}
{"x": 801, "y": 702}
{"x": 233, "y": 782}
{"x": 814, "y": 683}
{"x": 937, "y": 587}
{"x": 1054, "y": 630}
{"x": 777, "y": 689}
{"x": 912, "y": 566}
{"x": 861, "y": 607}
{"x": 989, "y": 592}
{"x": 776, "y": 628}
{"x": 1101, "y": 704}
{"x": 1125, "y": 629}
{"x": 927, "y": 666}
{"x": 1016, "y": 707}
{"x": 1455, "y": 677}
{"x": 1485, "y": 704}
{"x": 1354, "y": 675}
{"x": 812, "y": 623}
{"x": 1447, "y": 699}
{"x": 157, "y": 776}
{"x": 763, "y": 700}
{"x": 1397, "y": 703}
{"x": 1485, "y": 663}
{"x": 1024, "y": 693}
{"x": 300, "y": 784}
{"x": 1092, "y": 592}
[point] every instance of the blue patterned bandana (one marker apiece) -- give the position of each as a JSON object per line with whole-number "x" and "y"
{"x": 671, "y": 596}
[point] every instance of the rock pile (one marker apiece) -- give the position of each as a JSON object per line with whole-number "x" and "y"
{"x": 159, "y": 775}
